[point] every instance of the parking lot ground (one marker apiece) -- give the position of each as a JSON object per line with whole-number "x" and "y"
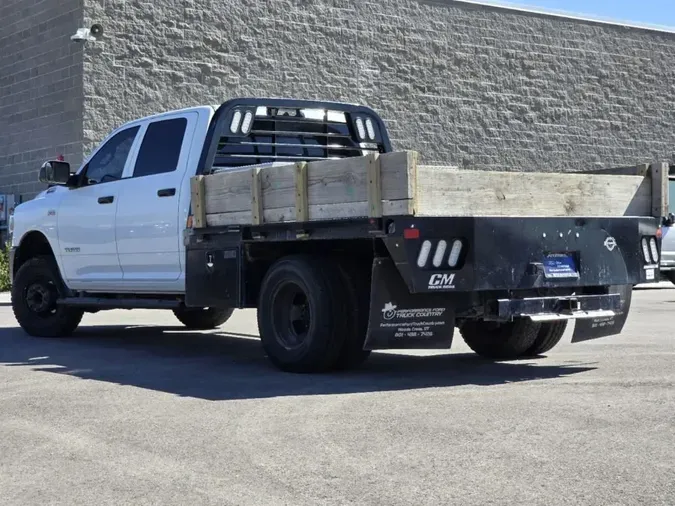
{"x": 135, "y": 410}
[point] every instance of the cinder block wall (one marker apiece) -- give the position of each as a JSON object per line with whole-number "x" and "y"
{"x": 40, "y": 89}
{"x": 477, "y": 86}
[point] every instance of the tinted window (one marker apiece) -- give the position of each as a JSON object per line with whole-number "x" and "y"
{"x": 161, "y": 147}
{"x": 108, "y": 163}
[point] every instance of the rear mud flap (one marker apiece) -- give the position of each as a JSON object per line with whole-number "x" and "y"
{"x": 401, "y": 320}
{"x": 595, "y": 328}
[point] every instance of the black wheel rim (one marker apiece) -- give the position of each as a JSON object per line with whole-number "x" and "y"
{"x": 291, "y": 316}
{"x": 40, "y": 298}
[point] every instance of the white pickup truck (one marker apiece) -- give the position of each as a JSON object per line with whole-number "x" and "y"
{"x": 302, "y": 210}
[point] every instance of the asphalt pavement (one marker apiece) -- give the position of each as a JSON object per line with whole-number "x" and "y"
{"x": 135, "y": 410}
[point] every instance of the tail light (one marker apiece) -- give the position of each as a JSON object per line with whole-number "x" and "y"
{"x": 440, "y": 253}
{"x": 654, "y": 250}
{"x": 423, "y": 256}
{"x": 650, "y": 250}
{"x": 437, "y": 251}
{"x": 455, "y": 252}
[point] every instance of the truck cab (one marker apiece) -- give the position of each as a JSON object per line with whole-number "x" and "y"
{"x": 110, "y": 234}
{"x": 117, "y": 225}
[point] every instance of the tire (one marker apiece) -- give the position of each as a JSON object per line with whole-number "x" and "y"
{"x": 303, "y": 314}
{"x": 500, "y": 340}
{"x": 35, "y": 289}
{"x": 357, "y": 283}
{"x": 548, "y": 337}
{"x": 203, "y": 318}
{"x": 669, "y": 275}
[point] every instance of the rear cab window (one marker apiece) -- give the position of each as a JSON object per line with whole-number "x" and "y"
{"x": 160, "y": 150}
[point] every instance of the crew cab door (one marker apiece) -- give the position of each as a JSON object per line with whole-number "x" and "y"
{"x": 149, "y": 225}
{"x": 86, "y": 216}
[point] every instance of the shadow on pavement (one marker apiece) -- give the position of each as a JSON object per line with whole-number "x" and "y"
{"x": 224, "y": 366}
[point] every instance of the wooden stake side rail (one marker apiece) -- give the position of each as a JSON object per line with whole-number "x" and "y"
{"x": 393, "y": 184}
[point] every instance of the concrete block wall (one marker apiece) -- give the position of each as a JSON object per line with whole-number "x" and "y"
{"x": 477, "y": 86}
{"x": 40, "y": 89}
{"x": 466, "y": 84}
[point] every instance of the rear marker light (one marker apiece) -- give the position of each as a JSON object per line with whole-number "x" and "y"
{"x": 236, "y": 119}
{"x": 423, "y": 257}
{"x": 645, "y": 251}
{"x": 411, "y": 233}
{"x": 360, "y": 128}
{"x": 454, "y": 253}
{"x": 654, "y": 249}
{"x": 440, "y": 253}
{"x": 246, "y": 125}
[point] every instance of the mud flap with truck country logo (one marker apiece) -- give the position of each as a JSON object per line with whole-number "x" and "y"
{"x": 401, "y": 320}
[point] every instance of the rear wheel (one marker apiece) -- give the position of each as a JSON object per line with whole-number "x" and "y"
{"x": 35, "y": 291}
{"x": 203, "y": 318}
{"x": 303, "y": 314}
{"x": 497, "y": 340}
{"x": 669, "y": 275}
{"x": 548, "y": 337}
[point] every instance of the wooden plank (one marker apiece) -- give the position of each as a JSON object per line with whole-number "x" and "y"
{"x": 317, "y": 212}
{"x": 228, "y": 191}
{"x": 301, "y": 200}
{"x": 486, "y": 193}
{"x": 633, "y": 170}
{"x": 257, "y": 217}
{"x": 328, "y": 182}
{"x": 660, "y": 195}
{"x": 374, "y": 184}
{"x": 198, "y": 194}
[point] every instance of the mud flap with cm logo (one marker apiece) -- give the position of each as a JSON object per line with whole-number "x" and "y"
{"x": 401, "y": 320}
{"x": 595, "y": 328}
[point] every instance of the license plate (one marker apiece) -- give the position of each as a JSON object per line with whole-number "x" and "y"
{"x": 560, "y": 266}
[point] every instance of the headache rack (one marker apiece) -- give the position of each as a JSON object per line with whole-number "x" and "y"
{"x": 267, "y": 131}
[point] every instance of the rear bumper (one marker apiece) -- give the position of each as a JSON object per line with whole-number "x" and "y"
{"x": 509, "y": 254}
{"x": 554, "y": 308}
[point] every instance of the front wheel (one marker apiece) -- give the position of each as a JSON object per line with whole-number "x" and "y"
{"x": 35, "y": 291}
{"x": 203, "y": 318}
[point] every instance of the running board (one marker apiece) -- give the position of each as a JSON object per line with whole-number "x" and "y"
{"x": 110, "y": 303}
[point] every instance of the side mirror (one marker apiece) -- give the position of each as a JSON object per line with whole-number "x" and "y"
{"x": 54, "y": 172}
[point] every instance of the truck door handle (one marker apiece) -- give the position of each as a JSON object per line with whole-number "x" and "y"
{"x": 166, "y": 192}
{"x": 106, "y": 200}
